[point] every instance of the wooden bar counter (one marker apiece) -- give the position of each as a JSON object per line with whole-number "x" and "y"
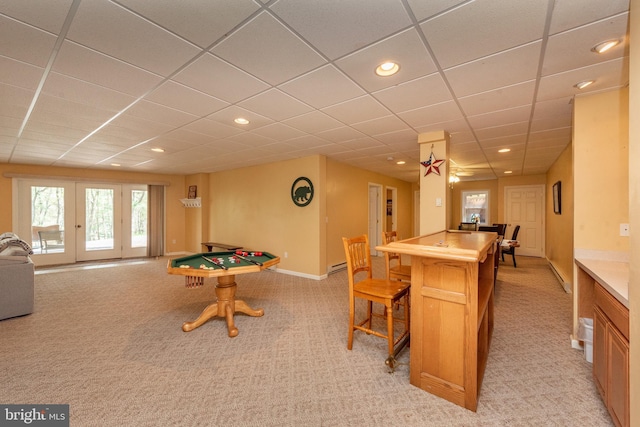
{"x": 452, "y": 297}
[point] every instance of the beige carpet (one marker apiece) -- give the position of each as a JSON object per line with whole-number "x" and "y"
{"x": 108, "y": 342}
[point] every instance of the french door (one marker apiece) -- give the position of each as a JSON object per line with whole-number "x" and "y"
{"x": 68, "y": 222}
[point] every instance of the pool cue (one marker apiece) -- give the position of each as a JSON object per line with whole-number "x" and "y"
{"x": 214, "y": 263}
{"x": 249, "y": 260}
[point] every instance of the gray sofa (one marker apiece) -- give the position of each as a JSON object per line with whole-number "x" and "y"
{"x": 16, "y": 277}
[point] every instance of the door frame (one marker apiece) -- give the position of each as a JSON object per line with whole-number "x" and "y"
{"x": 376, "y": 213}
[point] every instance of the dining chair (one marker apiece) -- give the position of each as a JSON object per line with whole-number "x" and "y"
{"x": 502, "y": 228}
{"x": 393, "y": 261}
{"x": 382, "y": 291}
{"x": 511, "y": 250}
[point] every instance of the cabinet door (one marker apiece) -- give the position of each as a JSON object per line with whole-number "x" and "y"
{"x": 600, "y": 352}
{"x": 618, "y": 384}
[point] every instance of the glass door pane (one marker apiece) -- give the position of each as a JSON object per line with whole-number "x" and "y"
{"x": 134, "y": 220}
{"x": 98, "y": 231}
{"x": 98, "y": 222}
{"x": 47, "y": 219}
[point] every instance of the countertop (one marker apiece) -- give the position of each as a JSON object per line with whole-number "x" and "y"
{"x": 458, "y": 245}
{"x": 613, "y": 275}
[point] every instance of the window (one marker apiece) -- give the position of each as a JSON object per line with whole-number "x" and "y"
{"x": 475, "y": 206}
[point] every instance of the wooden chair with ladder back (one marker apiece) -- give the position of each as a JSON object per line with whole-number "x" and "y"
{"x": 382, "y": 291}
{"x": 393, "y": 261}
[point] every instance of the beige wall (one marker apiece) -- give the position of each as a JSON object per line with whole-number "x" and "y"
{"x": 559, "y": 228}
{"x": 174, "y": 192}
{"x": 252, "y": 207}
{"x": 601, "y": 171}
{"x": 347, "y": 205}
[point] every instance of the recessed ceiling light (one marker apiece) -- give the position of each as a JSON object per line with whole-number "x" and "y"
{"x": 158, "y": 150}
{"x": 508, "y": 171}
{"x": 604, "y": 46}
{"x": 115, "y": 164}
{"x": 387, "y": 69}
{"x": 400, "y": 162}
{"x": 504, "y": 150}
{"x": 584, "y": 84}
{"x": 241, "y": 121}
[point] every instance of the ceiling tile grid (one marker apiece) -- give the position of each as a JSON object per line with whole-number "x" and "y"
{"x": 86, "y": 84}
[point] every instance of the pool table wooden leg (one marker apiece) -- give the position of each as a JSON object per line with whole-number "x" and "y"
{"x": 225, "y": 306}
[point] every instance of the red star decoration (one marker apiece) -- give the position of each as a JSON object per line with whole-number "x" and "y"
{"x": 432, "y": 165}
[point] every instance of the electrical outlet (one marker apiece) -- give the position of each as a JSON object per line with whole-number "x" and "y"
{"x": 624, "y": 229}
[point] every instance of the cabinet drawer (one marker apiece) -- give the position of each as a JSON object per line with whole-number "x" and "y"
{"x": 613, "y": 309}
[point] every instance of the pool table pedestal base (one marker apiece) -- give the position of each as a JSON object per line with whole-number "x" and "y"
{"x": 225, "y": 306}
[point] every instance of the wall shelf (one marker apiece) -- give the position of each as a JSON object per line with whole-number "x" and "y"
{"x": 191, "y": 203}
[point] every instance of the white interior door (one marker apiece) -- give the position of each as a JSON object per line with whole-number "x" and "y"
{"x": 98, "y": 221}
{"x": 524, "y": 206}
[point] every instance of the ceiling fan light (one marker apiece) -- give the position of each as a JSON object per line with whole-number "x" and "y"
{"x": 583, "y": 84}
{"x": 605, "y": 46}
{"x": 388, "y": 68}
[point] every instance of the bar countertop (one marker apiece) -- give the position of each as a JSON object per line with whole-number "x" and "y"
{"x": 455, "y": 245}
{"x": 613, "y": 275}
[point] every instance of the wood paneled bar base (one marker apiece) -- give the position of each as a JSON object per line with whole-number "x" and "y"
{"x": 452, "y": 298}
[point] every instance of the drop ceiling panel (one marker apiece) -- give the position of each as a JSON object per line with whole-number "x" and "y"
{"x": 322, "y": 87}
{"x": 25, "y": 43}
{"x": 499, "y": 99}
{"x": 405, "y": 49}
{"x": 202, "y": 22}
{"x": 381, "y": 125}
{"x": 313, "y": 122}
{"x": 339, "y": 27}
{"x": 484, "y": 27}
{"x": 433, "y": 114}
{"x": 49, "y": 15}
{"x": 572, "y": 49}
{"x": 210, "y": 128}
{"x": 275, "y": 104}
{"x": 21, "y": 74}
{"x": 427, "y": 9}
{"x": 159, "y": 113}
{"x": 86, "y": 93}
{"x": 566, "y": 15}
{"x": 220, "y": 79}
{"x": 278, "y": 132}
{"x": 489, "y": 73}
{"x": 115, "y": 31}
{"x": 412, "y": 95}
{"x": 610, "y": 74}
{"x": 175, "y": 95}
{"x": 91, "y": 66}
{"x": 276, "y": 56}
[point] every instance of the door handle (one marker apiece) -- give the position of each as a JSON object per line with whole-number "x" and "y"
{"x": 78, "y": 226}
